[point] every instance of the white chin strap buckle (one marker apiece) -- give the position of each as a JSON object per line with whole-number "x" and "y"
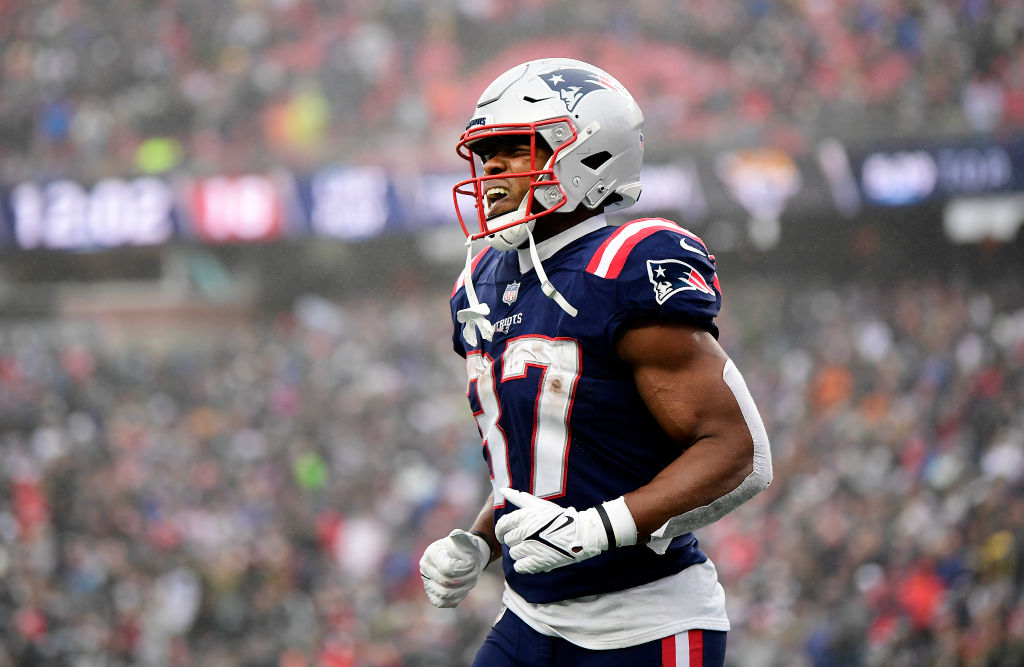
{"x": 473, "y": 318}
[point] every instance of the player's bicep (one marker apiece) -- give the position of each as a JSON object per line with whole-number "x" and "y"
{"x": 678, "y": 373}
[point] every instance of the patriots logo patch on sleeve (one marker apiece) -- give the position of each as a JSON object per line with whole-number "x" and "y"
{"x": 671, "y": 276}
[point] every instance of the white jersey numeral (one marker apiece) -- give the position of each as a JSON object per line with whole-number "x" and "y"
{"x": 559, "y": 361}
{"x": 480, "y": 369}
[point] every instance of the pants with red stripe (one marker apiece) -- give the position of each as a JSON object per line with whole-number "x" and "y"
{"x": 512, "y": 643}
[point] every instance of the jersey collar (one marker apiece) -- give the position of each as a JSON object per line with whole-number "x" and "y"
{"x": 547, "y": 248}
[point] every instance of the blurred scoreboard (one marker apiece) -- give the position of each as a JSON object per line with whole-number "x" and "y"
{"x": 757, "y": 198}
{"x": 65, "y": 215}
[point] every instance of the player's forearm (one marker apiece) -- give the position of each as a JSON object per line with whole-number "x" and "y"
{"x": 712, "y": 477}
{"x": 483, "y": 526}
{"x": 690, "y": 488}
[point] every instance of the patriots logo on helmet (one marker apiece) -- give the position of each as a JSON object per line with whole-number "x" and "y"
{"x": 671, "y": 276}
{"x": 573, "y": 84}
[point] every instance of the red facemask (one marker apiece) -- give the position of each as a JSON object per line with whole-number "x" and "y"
{"x": 476, "y": 186}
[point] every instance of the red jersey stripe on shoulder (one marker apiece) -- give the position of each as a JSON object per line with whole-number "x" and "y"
{"x": 472, "y": 267}
{"x": 609, "y": 259}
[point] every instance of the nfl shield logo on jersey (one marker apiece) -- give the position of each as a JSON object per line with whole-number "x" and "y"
{"x": 671, "y": 276}
{"x": 511, "y": 293}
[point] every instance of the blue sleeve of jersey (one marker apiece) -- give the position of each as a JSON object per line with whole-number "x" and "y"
{"x": 668, "y": 276}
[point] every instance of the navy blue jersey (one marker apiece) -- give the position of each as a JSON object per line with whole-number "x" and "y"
{"x": 558, "y": 411}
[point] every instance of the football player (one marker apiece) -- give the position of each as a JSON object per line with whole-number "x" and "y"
{"x": 612, "y": 422}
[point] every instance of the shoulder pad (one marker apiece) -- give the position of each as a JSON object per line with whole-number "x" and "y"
{"x": 662, "y": 271}
{"x": 610, "y": 258}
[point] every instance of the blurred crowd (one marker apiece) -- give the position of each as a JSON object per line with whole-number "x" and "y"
{"x": 895, "y": 531}
{"x": 99, "y": 88}
{"x": 259, "y": 495}
{"x": 249, "y": 496}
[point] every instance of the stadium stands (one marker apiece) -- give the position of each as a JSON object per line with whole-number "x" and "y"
{"x": 183, "y": 496}
{"x": 251, "y": 482}
{"x": 110, "y": 89}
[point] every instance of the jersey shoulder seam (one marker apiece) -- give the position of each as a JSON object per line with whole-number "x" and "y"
{"x": 610, "y": 257}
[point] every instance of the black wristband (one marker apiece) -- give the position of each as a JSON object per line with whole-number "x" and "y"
{"x": 487, "y": 540}
{"x": 601, "y": 512}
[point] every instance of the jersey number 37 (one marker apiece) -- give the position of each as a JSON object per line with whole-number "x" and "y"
{"x": 541, "y": 454}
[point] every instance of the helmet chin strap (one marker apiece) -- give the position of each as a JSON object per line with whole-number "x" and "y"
{"x": 545, "y": 284}
{"x": 474, "y": 317}
{"x": 500, "y": 243}
{"x": 512, "y": 236}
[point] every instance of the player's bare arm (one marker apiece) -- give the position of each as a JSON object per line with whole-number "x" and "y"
{"x": 483, "y": 526}
{"x": 678, "y": 371}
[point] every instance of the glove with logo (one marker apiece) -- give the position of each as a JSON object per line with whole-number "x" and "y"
{"x": 542, "y": 535}
{"x": 451, "y": 566}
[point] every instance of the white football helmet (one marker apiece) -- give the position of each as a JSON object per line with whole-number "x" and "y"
{"x": 589, "y": 121}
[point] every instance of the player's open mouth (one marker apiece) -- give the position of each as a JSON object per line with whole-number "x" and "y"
{"x": 494, "y": 195}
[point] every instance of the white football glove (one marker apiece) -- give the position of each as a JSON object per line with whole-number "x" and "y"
{"x": 451, "y": 566}
{"x": 542, "y": 535}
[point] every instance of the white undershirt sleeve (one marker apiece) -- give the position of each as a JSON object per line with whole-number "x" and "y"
{"x": 758, "y": 479}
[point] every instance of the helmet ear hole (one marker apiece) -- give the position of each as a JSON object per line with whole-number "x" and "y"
{"x": 595, "y": 161}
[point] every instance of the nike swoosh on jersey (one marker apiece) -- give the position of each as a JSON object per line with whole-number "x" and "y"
{"x": 691, "y": 248}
